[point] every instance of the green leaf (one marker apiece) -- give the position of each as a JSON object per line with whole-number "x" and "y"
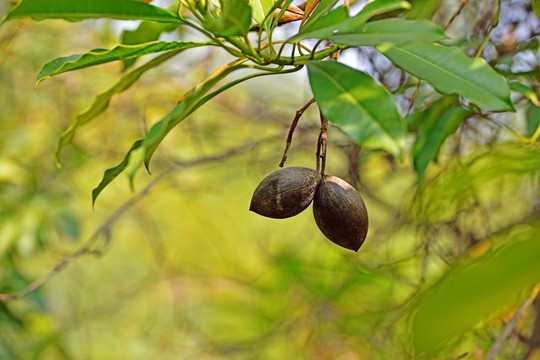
{"x": 363, "y": 109}
{"x": 423, "y": 9}
{"x": 338, "y": 20}
{"x": 379, "y": 7}
{"x": 450, "y": 71}
{"x": 395, "y": 31}
{"x": 324, "y": 27}
{"x": 234, "y": 20}
{"x": 474, "y": 290}
{"x": 146, "y": 32}
{"x": 100, "y": 56}
{"x": 536, "y": 7}
{"x": 112, "y": 173}
{"x": 101, "y": 102}
{"x": 144, "y": 148}
{"x": 533, "y": 121}
{"x": 260, "y": 8}
{"x": 322, "y": 8}
{"x": 437, "y": 123}
{"x": 88, "y": 9}
{"x": 525, "y": 90}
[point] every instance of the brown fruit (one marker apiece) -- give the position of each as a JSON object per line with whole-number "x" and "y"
{"x": 285, "y": 192}
{"x": 340, "y": 213}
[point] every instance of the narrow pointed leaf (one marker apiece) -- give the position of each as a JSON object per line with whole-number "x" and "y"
{"x": 526, "y": 91}
{"x": 338, "y": 20}
{"x": 234, "y": 20}
{"x": 423, "y": 9}
{"x": 395, "y": 31}
{"x": 101, "y": 56}
{"x": 260, "y": 8}
{"x": 101, "y": 102}
{"x": 363, "y": 109}
{"x": 322, "y": 8}
{"x": 475, "y": 290}
{"x": 308, "y": 9}
{"x": 87, "y": 9}
{"x": 438, "y": 122}
{"x": 533, "y": 122}
{"x": 112, "y": 173}
{"x": 450, "y": 71}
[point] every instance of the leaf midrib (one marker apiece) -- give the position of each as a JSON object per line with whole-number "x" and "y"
{"x": 421, "y": 59}
{"x": 338, "y": 85}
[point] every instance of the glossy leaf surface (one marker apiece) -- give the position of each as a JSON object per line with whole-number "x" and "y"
{"x": 450, "y": 71}
{"x": 363, "y": 109}
{"x": 338, "y": 20}
{"x": 437, "y": 123}
{"x": 90, "y": 9}
{"x": 395, "y": 31}
{"x": 101, "y": 56}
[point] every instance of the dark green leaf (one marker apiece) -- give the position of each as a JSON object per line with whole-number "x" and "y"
{"x": 142, "y": 150}
{"x": 475, "y": 290}
{"x": 101, "y": 56}
{"x": 423, "y": 9}
{"x": 324, "y": 27}
{"x": 112, "y": 173}
{"x": 533, "y": 121}
{"x": 363, "y": 109}
{"x": 234, "y": 20}
{"x": 338, "y": 20}
{"x": 322, "y": 8}
{"x": 88, "y": 9}
{"x": 395, "y": 31}
{"x": 450, "y": 71}
{"x": 438, "y": 122}
{"x": 102, "y": 100}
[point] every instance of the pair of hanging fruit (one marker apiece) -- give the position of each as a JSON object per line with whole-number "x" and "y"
{"x": 339, "y": 210}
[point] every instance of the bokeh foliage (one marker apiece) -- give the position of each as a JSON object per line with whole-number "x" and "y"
{"x": 188, "y": 272}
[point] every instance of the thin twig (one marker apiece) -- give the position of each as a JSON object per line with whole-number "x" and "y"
{"x": 104, "y": 231}
{"x": 510, "y": 326}
{"x": 492, "y": 27}
{"x": 456, "y": 14}
{"x": 534, "y": 341}
{"x": 299, "y": 114}
{"x": 321, "y": 145}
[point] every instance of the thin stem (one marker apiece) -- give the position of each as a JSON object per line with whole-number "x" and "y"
{"x": 321, "y": 144}
{"x": 512, "y": 324}
{"x": 514, "y": 132}
{"x": 456, "y": 14}
{"x": 299, "y": 114}
{"x": 300, "y": 59}
{"x": 536, "y": 135}
{"x": 89, "y": 246}
{"x": 493, "y": 26}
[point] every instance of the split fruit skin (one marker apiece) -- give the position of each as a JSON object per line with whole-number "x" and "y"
{"x": 340, "y": 213}
{"x": 285, "y": 192}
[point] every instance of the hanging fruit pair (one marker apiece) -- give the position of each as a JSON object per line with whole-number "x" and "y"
{"x": 339, "y": 210}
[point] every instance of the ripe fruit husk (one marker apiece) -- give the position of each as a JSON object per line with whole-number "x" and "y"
{"x": 285, "y": 192}
{"x": 340, "y": 213}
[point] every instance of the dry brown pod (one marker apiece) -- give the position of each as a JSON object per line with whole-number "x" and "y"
{"x": 340, "y": 213}
{"x": 285, "y": 192}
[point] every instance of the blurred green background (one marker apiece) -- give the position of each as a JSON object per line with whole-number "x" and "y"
{"x": 189, "y": 273}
